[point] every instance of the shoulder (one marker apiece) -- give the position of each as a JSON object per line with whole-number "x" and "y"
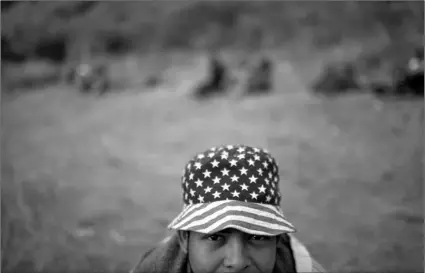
{"x": 165, "y": 257}
{"x": 303, "y": 260}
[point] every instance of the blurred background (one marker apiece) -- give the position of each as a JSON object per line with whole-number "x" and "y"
{"x": 104, "y": 102}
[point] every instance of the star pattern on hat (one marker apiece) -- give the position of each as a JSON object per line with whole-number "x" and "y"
{"x": 231, "y": 172}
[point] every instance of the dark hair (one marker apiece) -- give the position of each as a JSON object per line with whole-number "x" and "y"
{"x": 285, "y": 259}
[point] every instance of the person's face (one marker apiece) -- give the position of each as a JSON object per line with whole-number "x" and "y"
{"x": 231, "y": 251}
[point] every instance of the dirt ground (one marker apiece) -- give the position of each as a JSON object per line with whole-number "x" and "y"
{"x": 351, "y": 168}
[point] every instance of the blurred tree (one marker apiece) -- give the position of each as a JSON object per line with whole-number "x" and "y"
{"x": 35, "y": 28}
{"x": 5, "y": 5}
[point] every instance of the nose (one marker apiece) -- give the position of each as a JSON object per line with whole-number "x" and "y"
{"x": 235, "y": 259}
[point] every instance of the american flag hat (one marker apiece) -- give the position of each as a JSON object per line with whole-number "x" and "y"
{"x": 232, "y": 186}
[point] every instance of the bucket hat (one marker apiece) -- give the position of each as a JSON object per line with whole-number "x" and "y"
{"x": 232, "y": 186}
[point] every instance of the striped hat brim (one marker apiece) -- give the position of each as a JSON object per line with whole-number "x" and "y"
{"x": 251, "y": 218}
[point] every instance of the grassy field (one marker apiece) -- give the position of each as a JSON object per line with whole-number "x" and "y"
{"x": 351, "y": 167}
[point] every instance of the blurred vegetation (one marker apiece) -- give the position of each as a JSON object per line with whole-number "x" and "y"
{"x": 64, "y": 29}
{"x": 54, "y": 32}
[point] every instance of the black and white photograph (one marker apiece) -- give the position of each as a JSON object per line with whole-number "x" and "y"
{"x": 212, "y": 136}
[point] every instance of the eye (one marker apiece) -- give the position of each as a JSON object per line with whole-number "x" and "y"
{"x": 214, "y": 237}
{"x": 259, "y": 238}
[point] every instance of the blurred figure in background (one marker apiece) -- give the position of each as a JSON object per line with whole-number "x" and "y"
{"x": 217, "y": 77}
{"x": 261, "y": 77}
{"x": 409, "y": 80}
{"x": 231, "y": 219}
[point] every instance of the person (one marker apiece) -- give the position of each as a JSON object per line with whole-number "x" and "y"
{"x": 231, "y": 219}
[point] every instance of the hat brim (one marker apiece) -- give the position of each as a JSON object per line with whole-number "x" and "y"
{"x": 251, "y": 218}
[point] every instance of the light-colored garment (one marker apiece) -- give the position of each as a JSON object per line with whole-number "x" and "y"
{"x": 303, "y": 260}
{"x": 167, "y": 257}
